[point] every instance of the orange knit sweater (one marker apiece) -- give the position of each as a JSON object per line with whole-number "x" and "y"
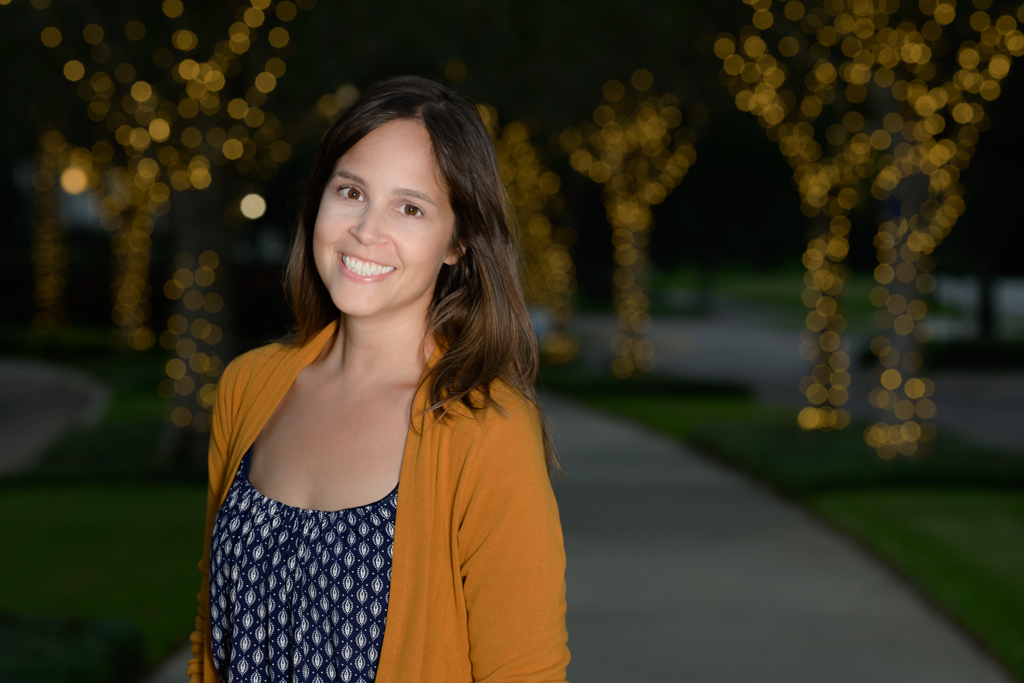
{"x": 478, "y": 573}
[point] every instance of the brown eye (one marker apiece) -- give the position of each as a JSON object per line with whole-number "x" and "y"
{"x": 351, "y": 193}
{"x": 412, "y": 210}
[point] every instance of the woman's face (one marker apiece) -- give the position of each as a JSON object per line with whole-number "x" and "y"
{"x": 385, "y": 224}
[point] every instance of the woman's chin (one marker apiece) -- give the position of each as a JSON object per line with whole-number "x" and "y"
{"x": 367, "y": 307}
{"x": 357, "y": 309}
{"x": 358, "y": 301}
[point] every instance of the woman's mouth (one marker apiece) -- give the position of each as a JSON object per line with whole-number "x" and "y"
{"x": 364, "y": 269}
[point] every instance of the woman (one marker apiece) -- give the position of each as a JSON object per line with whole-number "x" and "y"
{"x": 379, "y": 504}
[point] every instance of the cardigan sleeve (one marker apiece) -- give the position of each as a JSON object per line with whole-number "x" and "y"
{"x": 511, "y": 552}
{"x": 220, "y": 433}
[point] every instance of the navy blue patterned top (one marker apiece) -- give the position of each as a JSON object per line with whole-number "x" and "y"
{"x": 296, "y": 594}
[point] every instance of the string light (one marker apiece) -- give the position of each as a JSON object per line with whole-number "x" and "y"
{"x": 49, "y": 252}
{"x": 192, "y": 374}
{"x": 636, "y": 149}
{"x": 549, "y": 277}
{"x": 923, "y": 124}
{"x": 163, "y": 147}
{"x": 124, "y": 203}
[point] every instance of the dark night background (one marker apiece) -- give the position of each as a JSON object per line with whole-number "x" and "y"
{"x": 104, "y": 518}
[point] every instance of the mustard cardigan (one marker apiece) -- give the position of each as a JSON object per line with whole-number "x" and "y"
{"x": 478, "y": 573}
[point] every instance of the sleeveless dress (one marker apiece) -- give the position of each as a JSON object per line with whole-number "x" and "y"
{"x": 298, "y": 595}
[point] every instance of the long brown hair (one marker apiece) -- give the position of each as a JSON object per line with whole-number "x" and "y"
{"x": 477, "y": 316}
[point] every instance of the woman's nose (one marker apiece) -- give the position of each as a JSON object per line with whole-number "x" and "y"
{"x": 370, "y": 227}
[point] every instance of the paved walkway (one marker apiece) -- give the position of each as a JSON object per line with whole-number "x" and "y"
{"x": 680, "y": 570}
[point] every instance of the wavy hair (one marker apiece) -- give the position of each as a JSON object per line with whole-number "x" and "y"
{"x": 478, "y": 315}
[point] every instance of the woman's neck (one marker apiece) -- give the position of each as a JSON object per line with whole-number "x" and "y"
{"x": 374, "y": 350}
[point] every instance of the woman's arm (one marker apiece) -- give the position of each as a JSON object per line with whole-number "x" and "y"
{"x": 512, "y": 554}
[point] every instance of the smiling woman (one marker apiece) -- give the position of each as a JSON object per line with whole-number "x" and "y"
{"x": 380, "y": 507}
{"x": 385, "y": 218}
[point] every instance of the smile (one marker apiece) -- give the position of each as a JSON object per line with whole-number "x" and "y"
{"x": 364, "y": 268}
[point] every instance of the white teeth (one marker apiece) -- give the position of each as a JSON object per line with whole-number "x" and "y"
{"x": 364, "y": 268}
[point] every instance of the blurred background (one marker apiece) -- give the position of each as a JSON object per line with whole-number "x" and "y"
{"x": 772, "y": 256}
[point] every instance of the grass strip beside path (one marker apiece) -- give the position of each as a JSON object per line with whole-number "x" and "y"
{"x": 100, "y": 527}
{"x": 964, "y": 548}
{"x": 124, "y": 443}
{"x": 98, "y": 550}
{"x": 764, "y": 441}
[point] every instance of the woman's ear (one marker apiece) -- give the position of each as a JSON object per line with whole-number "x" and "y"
{"x": 455, "y": 254}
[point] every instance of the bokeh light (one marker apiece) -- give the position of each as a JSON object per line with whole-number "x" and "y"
{"x": 635, "y": 147}
{"x": 833, "y": 53}
{"x": 546, "y": 264}
{"x": 191, "y": 379}
{"x": 155, "y": 146}
{"x": 253, "y": 206}
{"x": 74, "y": 180}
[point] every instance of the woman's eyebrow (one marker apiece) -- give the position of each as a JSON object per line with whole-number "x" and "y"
{"x": 351, "y": 176}
{"x": 413, "y": 193}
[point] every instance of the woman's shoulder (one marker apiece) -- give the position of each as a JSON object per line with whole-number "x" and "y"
{"x": 504, "y": 416}
{"x": 244, "y": 366}
{"x": 499, "y": 404}
{"x": 249, "y": 372}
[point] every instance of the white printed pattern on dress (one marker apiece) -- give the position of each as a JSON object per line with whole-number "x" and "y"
{"x": 295, "y": 594}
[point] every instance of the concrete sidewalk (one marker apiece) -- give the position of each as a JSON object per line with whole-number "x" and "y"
{"x": 680, "y": 570}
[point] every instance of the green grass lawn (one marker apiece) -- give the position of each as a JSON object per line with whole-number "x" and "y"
{"x": 100, "y": 527}
{"x": 778, "y": 291}
{"x": 952, "y": 522}
{"x": 125, "y": 441}
{"x": 97, "y": 550}
{"x": 964, "y": 548}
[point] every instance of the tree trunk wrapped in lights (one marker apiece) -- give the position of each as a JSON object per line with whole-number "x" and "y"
{"x": 49, "y": 252}
{"x": 549, "y": 277}
{"x": 192, "y": 375}
{"x": 127, "y": 207}
{"x": 126, "y": 202}
{"x": 637, "y": 150}
{"x": 898, "y": 108}
{"x": 171, "y": 134}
